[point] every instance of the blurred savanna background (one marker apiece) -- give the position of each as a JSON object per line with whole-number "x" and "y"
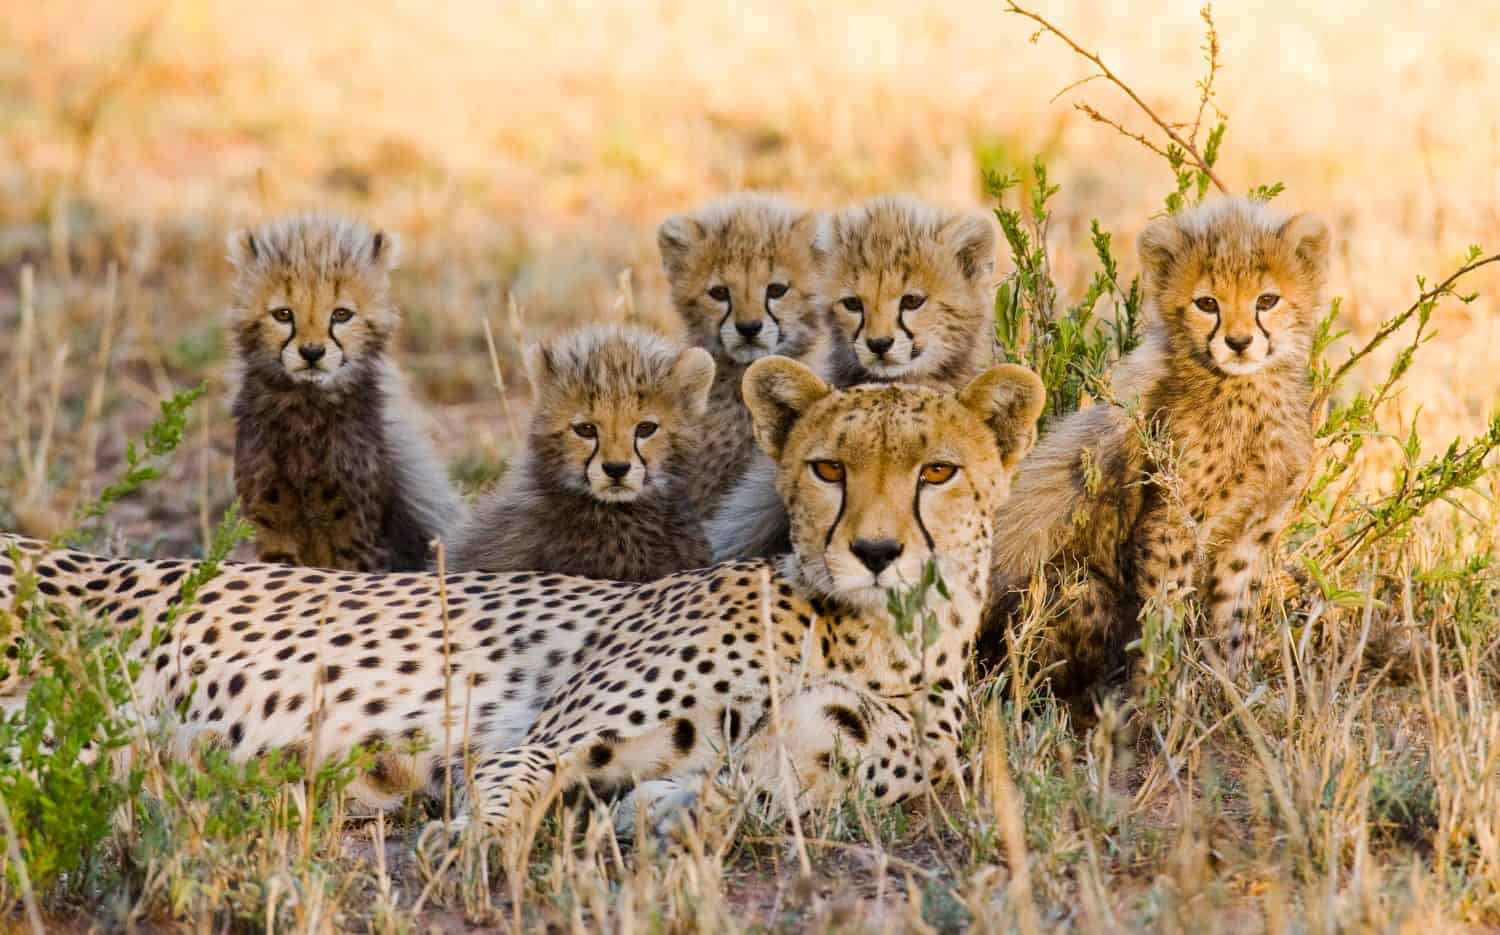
{"x": 525, "y": 151}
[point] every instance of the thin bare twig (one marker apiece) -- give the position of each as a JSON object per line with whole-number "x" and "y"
{"x": 1187, "y": 145}
{"x": 1394, "y": 325}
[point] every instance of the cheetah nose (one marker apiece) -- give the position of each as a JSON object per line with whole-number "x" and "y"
{"x": 1238, "y": 345}
{"x": 312, "y": 353}
{"x": 748, "y": 329}
{"x": 876, "y": 554}
{"x": 880, "y": 345}
{"x": 616, "y": 470}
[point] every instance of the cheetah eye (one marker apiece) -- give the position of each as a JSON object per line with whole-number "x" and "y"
{"x": 282, "y": 314}
{"x": 646, "y": 429}
{"x": 719, "y": 293}
{"x": 938, "y": 473}
{"x": 342, "y": 315}
{"x": 776, "y": 290}
{"x": 829, "y": 472}
{"x": 585, "y": 430}
{"x": 1207, "y": 304}
{"x": 911, "y": 302}
{"x": 1267, "y": 302}
{"x": 853, "y": 304}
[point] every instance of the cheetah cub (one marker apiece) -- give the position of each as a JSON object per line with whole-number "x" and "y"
{"x": 908, "y": 294}
{"x": 906, "y": 289}
{"x": 328, "y": 458}
{"x": 740, "y": 271}
{"x": 1221, "y": 379}
{"x": 601, "y": 490}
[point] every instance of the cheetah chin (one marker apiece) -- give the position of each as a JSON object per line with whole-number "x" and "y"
{"x": 537, "y": 680}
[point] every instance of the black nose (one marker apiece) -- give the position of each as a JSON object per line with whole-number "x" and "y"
{"x": 1238, "y": 345}
{"x": 748, "y": 328}
{"x": 312, "y": 353}
{"x": 616, "y": 469}
{"x": 879, "y": 345}
{"x": 876, "y": 553}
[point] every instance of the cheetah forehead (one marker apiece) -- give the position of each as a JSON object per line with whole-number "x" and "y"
{"x": 884, "y": 232}
{"x": 750, "y": 228}
{"x": 895, "y": 424}
{"x": 1232, "y": 243}
{"x": 607, "y": 362}
{"x": 313, "y": 243}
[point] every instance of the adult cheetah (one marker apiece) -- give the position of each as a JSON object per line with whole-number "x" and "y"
{"x": 612, "y": 683}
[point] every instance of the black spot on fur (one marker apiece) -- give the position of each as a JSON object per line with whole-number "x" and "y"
{"x": 849, "y": 721}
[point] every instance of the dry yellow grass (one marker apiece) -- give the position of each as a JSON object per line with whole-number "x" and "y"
{"x": 530, "y": 148}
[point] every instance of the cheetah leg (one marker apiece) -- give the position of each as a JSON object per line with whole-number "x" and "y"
{"x": 1238, "y": 572}
{"x": 1165, "y": 550}
{"x": 508, "y": 787}
{"x": 834, "y": 736}
{"x": 1090, "y": 630}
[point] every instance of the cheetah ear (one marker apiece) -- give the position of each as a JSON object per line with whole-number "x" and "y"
{"x": 1160, "y": 244}
{"x": 692, "y": 377}
{"x": 1008, "y": 399}
{"x": 806, "y": 230}
{"x": 1308, "y": 238}
{"x": 385, "y": 250}
{"x": 243, "y": 250}
{"x": 538, "y": 364}
{"x": 778, "y": 391}
{"x": 971, "y": 237}
{"x": 675, "y": 239}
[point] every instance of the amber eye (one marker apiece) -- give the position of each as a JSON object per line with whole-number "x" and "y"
{"x": 586, "y": 430}
{"x": 938, "y": 473}
{"x": 646, "y": 429}
{"x": 342, "y": 315}
{"x": 282, "y": 314}
{"x": 1207, "y": 303}
{"x": 776, "y": 290}
{"x": 853, "y": 304}
{"x": 719, "y": 293}
{"x": 911, "y": 302}
{"x": 829, "y": 472}
{"x": 1267, "y": 302}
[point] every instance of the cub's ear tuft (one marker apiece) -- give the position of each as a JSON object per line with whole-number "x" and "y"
{"x": 806, "y": 231}
{"x": 778, "y": 391}
{"x": 1308, "y": 239}
{"x": 539, "y": 370}
{"x": 385, "y": 250}
{"x": 692, "y": 377}
{"x": 971, "y": 237}
{"x": 244, "y": 252}
{"x": 1008, "y": 399}
{"x": 1162, "y": 246}
{"x": 675, "y": 238}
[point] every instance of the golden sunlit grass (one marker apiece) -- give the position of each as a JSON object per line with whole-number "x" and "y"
{"x": 526, "y": 151}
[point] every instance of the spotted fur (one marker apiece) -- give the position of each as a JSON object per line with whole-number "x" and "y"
{"x": 602, "y": 490}
{"x": 1093, "y": 505}
{"x": 741, "y": 277}
{"x": 563, "y": 679}
{"x": 330, "y": 461}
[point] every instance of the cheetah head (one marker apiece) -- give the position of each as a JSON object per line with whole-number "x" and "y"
{"x": 740, "y": 272}
{"x": 907, "y": 286}
{"x": 1236, "y": 283}
{"x": 616, "y": 409}
{"x": 312, "y": 298}
{"x": 878, "y": 480}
